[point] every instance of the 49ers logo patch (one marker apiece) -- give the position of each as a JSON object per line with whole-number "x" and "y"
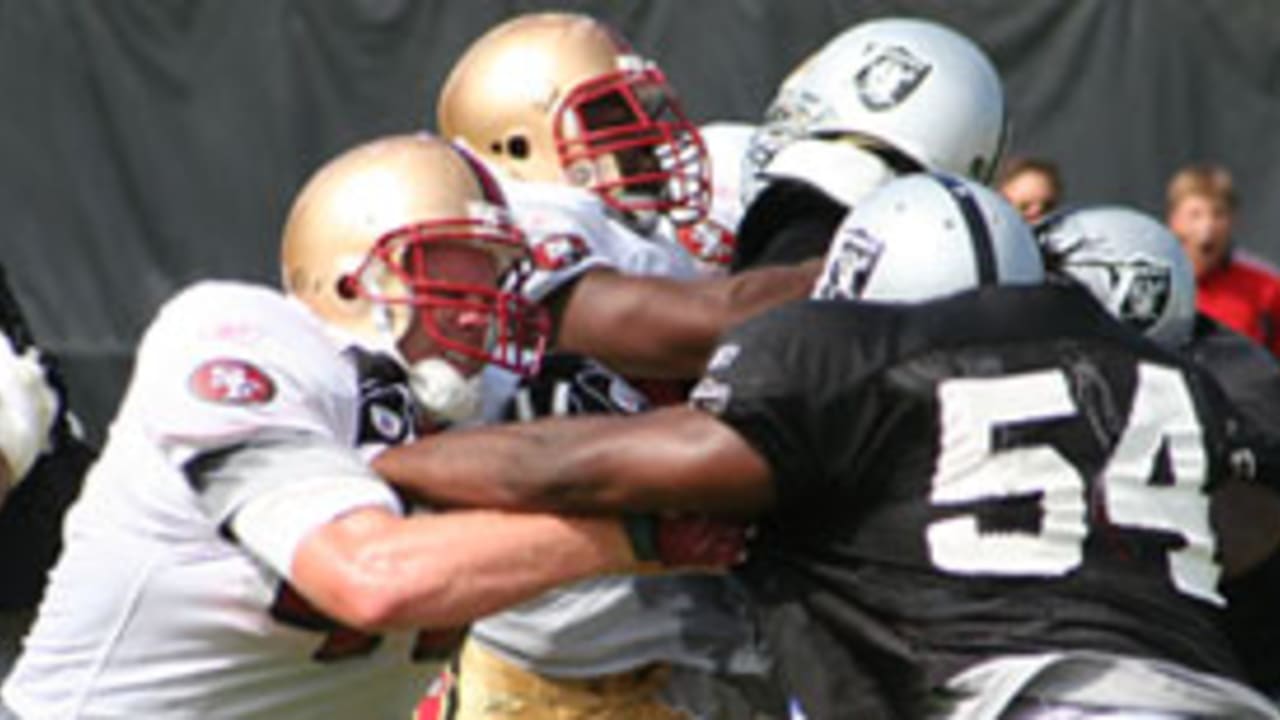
{"x": 556, "y": 252}
{"x": 230, "y": 381}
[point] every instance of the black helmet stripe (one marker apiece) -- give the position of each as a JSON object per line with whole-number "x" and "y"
{"x": 984, "y": 251}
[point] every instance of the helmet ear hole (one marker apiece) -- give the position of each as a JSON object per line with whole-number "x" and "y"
{"x": 518, "y": 147}
{"x": 345, "y": 287}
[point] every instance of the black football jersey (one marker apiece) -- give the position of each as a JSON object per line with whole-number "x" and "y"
{"x": 1004, "y": 471}
{"x": 1246, "y": 371}
{"x": 1250, "y": 377}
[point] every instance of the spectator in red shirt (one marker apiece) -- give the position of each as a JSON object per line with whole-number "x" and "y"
{"x": 1241, "y": 293}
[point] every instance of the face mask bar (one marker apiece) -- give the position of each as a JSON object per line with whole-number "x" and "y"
{"x": 398, "y": 264}
{"x": 625, "y": 136}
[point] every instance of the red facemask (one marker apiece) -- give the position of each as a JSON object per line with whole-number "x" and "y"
{"x": 635, "y": 117}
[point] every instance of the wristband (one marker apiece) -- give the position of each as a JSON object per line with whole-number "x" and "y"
{"x": 642, "y": 531}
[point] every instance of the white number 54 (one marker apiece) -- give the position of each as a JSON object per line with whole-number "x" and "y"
{"x": 969, "y": 470}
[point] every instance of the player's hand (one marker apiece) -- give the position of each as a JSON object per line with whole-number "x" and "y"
{"x": 28, "y": 408}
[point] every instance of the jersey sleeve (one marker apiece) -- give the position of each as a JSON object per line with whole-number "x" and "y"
{"x": 751, "y": 384}
{"x": 271, "y": 491}
{"x": 798, "y": 383}
{"x": 565, "y": 239}
{"x": 243, "y": 392}
{"x": 569, "y": 232}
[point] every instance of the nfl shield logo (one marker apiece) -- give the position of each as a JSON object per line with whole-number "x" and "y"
{"x": 889, "y": 77}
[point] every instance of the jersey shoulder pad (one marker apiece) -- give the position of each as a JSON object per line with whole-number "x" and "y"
{"x": 224, "y": 360}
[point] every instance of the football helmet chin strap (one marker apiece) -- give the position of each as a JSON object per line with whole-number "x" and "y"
{"x": 439, "y": 388}
{"x": 445, "y": 393}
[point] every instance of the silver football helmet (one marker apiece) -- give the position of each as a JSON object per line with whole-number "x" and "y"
{"x": 926, "y": 236}
{"x": 918, "y": 93}
{"x": 1131, "y": 263}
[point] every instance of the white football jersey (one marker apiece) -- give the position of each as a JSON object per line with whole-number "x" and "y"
{"x": 569, "y": 231}
{"x": 602, "y": 625}
{"x": 245, "y": 426}
{"x": 727, "y": 144}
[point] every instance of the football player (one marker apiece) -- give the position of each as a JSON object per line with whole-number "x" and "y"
{"x": 977, "y": 493}
{"x": 232, "y": 554}
{"x": 597, "y": 158}
{"x": 601, "y": 165}
{"x": 884, "y": 98}
{"x": 1136, "y": 268}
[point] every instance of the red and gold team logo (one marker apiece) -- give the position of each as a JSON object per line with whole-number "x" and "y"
{"x": 232, "y": 382}
{"x": 555, "y": 252}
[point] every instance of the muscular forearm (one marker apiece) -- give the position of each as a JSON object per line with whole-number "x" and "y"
{"x": 376, "y": 572}
{"x": 662, "y": 328}
{"x": 518, "y": 466}
{"x": 674, "y": 458}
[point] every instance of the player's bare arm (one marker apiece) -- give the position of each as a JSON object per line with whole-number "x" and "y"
{"x": 674, "y": 458}
{"x": 663, "y": 328}
{"x": 376, "y": 571}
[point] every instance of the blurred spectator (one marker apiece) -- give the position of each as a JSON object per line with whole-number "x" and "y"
{"x": 1033, "y": 185}
{"x": 1201, "y": 203}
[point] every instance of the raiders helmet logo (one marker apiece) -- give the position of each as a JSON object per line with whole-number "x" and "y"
{"x": 853, "y": 257}
{"x": 889, "y": 78}
{"x": 230, "y": 381}
{"x": 1146, "y": 288}
{"x": 559, "y": 251}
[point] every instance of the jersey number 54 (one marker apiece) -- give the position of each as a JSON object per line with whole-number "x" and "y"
{"x": 969, "y": 469}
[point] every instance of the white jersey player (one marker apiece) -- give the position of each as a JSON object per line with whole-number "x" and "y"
{"x": 561, "y": 99}
{"x": 610, "y": 183}
{"x": 153, "y": 609}
{"x": 232, "y": 554}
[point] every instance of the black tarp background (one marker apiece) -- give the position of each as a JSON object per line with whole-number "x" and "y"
{"x": 147, "y": 143}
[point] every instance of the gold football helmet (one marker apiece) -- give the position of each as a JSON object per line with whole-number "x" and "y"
{"x": 355, "y": 240}
{"x": 562, "y": 98}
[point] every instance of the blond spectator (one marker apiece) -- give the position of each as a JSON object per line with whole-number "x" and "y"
{"x": 1201, "y": 203}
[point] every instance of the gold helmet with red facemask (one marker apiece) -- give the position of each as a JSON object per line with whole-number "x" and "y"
{"x": 562, "y": 98}
{"x": 358, "y": 248}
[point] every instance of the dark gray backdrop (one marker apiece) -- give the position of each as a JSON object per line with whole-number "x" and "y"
{"x": 147, "y": 143}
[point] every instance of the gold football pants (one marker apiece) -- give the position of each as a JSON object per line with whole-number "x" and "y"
{"x": 490, "y": 688}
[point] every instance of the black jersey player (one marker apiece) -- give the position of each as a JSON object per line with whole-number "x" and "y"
{"x": 976, "y": 492}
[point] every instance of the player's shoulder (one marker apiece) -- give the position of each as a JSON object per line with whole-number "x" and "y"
{"x": 819, "y": 333}
{"x": 212, "y": 301}
{"x": 234, "y": 314}
{"x": 224, "y": 360}
{"x": 230, "y": 321}
{"x": 542, "y": 207}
